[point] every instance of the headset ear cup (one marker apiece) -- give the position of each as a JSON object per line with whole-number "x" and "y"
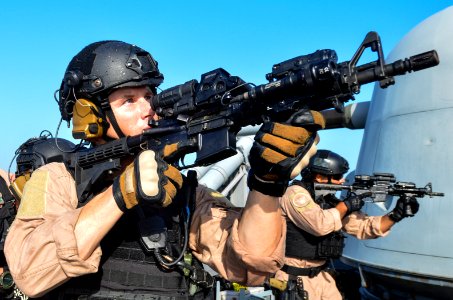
{"x": 63, "y": 102}
{"x": 72, "y": 78}
{"x": 87, "y": 121}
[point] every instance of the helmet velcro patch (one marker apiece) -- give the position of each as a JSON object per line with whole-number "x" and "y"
{"x": 33, "y": 202}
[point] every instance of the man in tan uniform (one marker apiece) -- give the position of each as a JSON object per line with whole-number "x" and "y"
{"x": 313, "y": 227}
{"x": 59, "y": 247}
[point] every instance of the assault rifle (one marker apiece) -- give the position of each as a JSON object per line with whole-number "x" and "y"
{"x": 204, "y": 117}
{"x": 379, "y": 185}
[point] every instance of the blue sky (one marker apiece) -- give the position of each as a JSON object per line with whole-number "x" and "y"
{"x": 188, "y": 38}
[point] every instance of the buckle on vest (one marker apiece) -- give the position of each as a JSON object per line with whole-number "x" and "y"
{"x": 202, "y": 278}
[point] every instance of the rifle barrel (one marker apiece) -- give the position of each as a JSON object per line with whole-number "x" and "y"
{"x": 400, "y": 67}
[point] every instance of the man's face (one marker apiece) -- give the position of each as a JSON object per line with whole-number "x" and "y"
{"x": 132, "y": 109}
{"x": 319, "y": 178}
{"x": 337, "y": 181}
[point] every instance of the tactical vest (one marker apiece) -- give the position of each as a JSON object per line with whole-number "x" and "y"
{"x": 128, "y": 271}
{"x": 303, "y": 245}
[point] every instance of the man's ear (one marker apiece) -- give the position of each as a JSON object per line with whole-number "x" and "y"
{"x": 320, "y": 178}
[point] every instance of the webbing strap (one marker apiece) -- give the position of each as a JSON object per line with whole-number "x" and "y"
{"x": 310, "y": 272}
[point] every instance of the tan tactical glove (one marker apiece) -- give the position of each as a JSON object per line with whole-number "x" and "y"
{"x": 280, "y": 151}
{"x": 148, "y": 180}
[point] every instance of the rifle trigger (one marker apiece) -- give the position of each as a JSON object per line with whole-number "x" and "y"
{"x": 143, "y": 146}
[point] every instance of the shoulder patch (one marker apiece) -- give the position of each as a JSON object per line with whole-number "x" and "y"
{"x": 33, "y": 203}
{"x": 301, "y": 201}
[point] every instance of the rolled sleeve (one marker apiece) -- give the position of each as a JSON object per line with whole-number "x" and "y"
{"x": 363, "y": 226}
{"x": 66, "y": 248}
{"x": 41, "y": 248}
{"x": 253, "y": 269}
{"x": 214, "y": 240}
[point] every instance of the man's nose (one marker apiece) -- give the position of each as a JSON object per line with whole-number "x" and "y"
{"x": 145, "y": 106}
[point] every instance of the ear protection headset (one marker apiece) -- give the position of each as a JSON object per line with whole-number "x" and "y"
{"x": 88, "y": 122}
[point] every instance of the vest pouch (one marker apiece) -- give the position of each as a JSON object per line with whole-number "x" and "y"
{"x": 331, "y": 246}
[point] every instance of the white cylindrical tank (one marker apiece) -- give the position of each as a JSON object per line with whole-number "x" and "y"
{"x": 409, "y": 132}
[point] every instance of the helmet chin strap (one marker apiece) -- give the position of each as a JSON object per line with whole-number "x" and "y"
{"x": 109, "y": 113}
{"x": 105, "y": 105}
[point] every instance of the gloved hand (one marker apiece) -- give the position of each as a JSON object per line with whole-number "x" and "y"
{"x": 281, "y": 151}
{"x": 405, "y": 207}
{"x": 148, "y": 180}
{"x": 353, "y": 203}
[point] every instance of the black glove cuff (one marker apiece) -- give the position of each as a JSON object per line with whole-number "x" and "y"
{"x": 394, "y": 217}
{"x": 348, "y": 206}
{"x": 117, "y": 194}
{"x": 274, "y": 189}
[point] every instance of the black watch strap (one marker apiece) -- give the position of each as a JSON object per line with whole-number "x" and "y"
{"x": 117, "y": 194}
{"x": 275, "y": 189}
{"x": 394, "y": 217}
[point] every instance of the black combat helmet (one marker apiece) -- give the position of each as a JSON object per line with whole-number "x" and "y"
{"x": 327, "y": 163}
{"x": 36, "y": 152}
{"x": 97, "y": 70}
